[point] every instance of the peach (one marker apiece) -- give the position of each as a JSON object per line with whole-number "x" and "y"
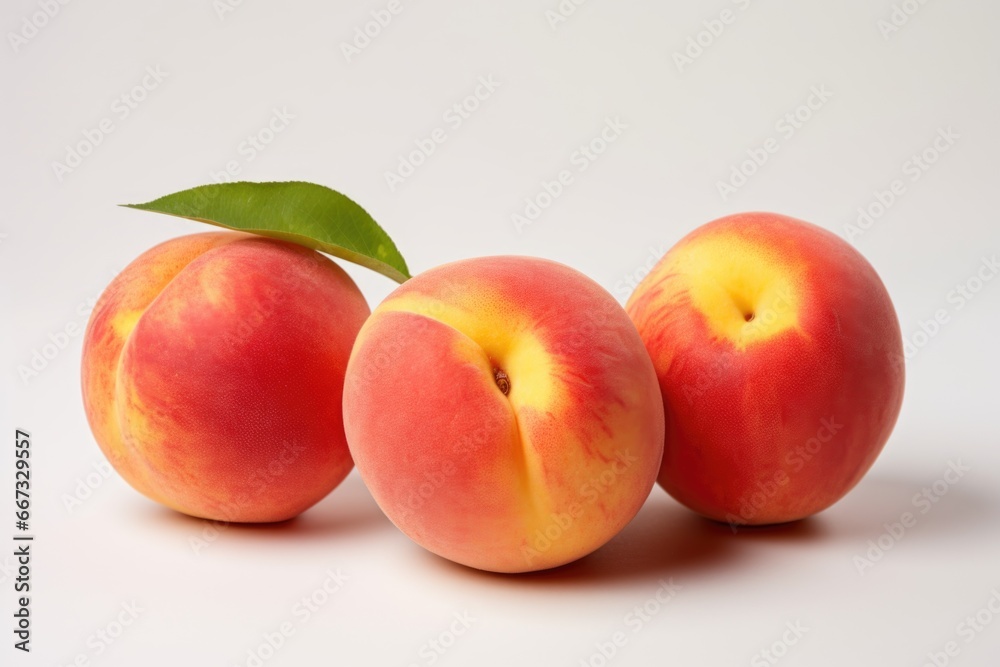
{"x": 213, "y": 370}
{"x": 503, "y": 413}
{"x": 779, "y": 357}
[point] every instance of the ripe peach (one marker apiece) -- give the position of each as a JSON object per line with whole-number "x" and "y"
{"x": 779, "y": 357}
{"x": 503, "y": 413}
{"x": 213, "y": 371}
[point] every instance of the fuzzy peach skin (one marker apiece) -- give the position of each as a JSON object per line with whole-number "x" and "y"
{"x": 779, "y": 357}
{"x": 213, "y": 371}
{"x": 503, "y": 413}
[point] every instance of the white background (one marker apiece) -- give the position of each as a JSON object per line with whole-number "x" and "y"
{"x": 892, "y": 92}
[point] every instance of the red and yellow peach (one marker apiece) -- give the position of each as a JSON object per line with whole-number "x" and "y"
{"x": 504, "y": 413}
{"x": 779, "y": 357}
{"x": 213, "y": 371}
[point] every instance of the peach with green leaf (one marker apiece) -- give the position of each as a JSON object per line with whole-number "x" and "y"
{"x": 213, "y": 365}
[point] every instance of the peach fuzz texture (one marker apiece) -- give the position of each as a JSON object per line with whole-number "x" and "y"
{"x": 780, "y": 362}
{"x": 213, "y": 373}
{"x": 508, "y": 482}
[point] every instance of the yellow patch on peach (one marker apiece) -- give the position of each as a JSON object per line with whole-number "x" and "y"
{"x": 750, "y": 297}
{"x": 764, "y": 331}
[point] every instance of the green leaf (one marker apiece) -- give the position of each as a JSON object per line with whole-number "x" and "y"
{"x": 305, "y": 213}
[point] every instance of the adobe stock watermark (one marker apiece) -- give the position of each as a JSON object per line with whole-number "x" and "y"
{"x": 712, "y": 29}
{"x": 911, "y": 171}
{"x": 923, "y": 502}
{"x": 779, "y": 648}
{"x": 579, "y": 335}
{"x": 454, "y": 117}
{"x": 270, "y": 298}
{"x": 576, "y": 337}
{"x": 629, "y": 281}
{"x": 562, "y": 12}
{"x": 364, "y": 35}
{"x": 589, "y": 492}
{"x": 108, "y": 634}
{"x": 967, "y": 630}
{"x": 434, "y": 648}
{"x": 258, "y": 481}
{"x": 121, "y": 108}
{"x": 635, "y": 620}
{"x": 898, "y": 17}
{"x": 765, "y": 489}
{"x": 390, "y": 348}
{"x": 44, "y": 355}
{"x": 787, "y": 126}
{"x": 248, "y": 150}
{"x": 86, "y": 485}
{"x": 254, "y": 144}
{"x": 580, "y": 161}
{"x": 558, "y": 524}
{"x": 302, "y": 611}
{"x": 32, "y": 24}
{"x": 958, "y": 298}
{"x": 763, "y": 317}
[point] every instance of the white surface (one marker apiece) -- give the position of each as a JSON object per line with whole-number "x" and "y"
{"x": 63, "y": 241}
